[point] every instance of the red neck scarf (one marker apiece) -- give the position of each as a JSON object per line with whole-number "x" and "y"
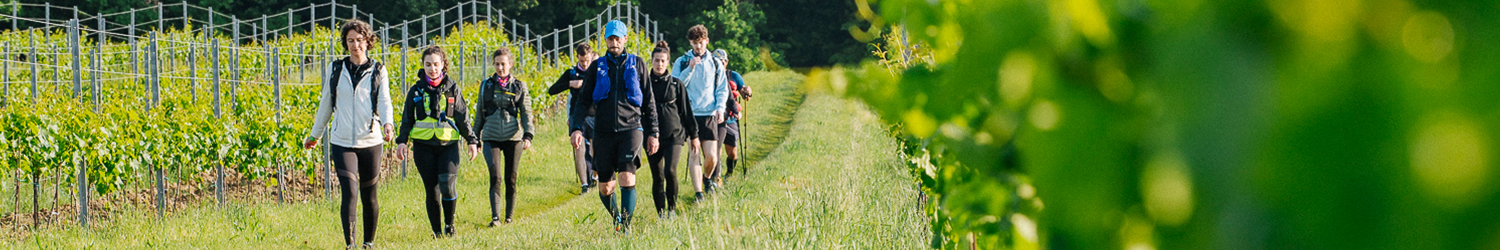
{"x": 433, "y": 81}
{"x": 503, "y": 81}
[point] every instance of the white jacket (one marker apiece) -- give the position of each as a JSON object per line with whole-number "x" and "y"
{"x": 354, "y": 125}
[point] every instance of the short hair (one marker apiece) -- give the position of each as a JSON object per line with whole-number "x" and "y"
{"x": 435, "y": 50}
{"x": 697, "y": 32}
{"x": 500, "y": 52}
{"x": 661, "y": 47}
{"x": 583, "y": 48}
{"x": 359, "y": 27}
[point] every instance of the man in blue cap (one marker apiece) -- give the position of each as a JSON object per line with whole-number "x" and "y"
{"x": 616, "y": 86}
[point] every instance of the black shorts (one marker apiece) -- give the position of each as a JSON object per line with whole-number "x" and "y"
{"x": 729, "y": 134}
{"x": 706, "y": 132}
{"x": 616, "y": 152}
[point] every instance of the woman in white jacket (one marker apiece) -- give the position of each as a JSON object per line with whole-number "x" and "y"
{"x": 356, "y": 97}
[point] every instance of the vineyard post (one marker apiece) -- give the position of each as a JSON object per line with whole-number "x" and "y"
{"x": 83, "y": 201}
{"x": 301, "y": 68}
{"x": 159, "y": 19}
{"x": 47, "y": 10}
{"x": 555, "y": 44}
{"x": 155, "y": 70}
{"x": 541, "y": 56}
{"x": 214, "y": 55}
{"x": 161, "y": 199}
{"x": 77, "y": 64}
{"x": 290, "y": 22}
{"x": 99, "y": 46}
{"x": 192, "y": 74}
{"x": 56, "y": 66}
{"x": 276, "y": 91}
{"x": 484, "y": 58}
{"x": 5, "y": 101}
{"x": 333, "y": 15}
{"x": 185, "y": 16}
{"x": 33, "y": 67}
{"x": 385, "y": 48}
{"x": 442, "y": 22}
{"x": 461, "y": 61}
{"x": 424, "y": 30}
{"x": 571, "y": 41}
{"x": 327, "y": 150}
{"x": 265, "y": 28}
{"x": 15, "y": 25}
{"x": 236, "y": 28}
{"x": 404, "y": 75}
{"x": 489, "y": 16}
{"x": 234, "y": 77}
{"x": 209, "y": 31}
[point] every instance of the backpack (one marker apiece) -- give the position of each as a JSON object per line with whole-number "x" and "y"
{"x": 489, "y": 88}
{"x": 333, "y": 81}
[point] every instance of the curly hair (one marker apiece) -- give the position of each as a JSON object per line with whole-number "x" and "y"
{"x": 435, "y": 50}
{"x": 360, "y": 27}
{"x": 697, "y": 32}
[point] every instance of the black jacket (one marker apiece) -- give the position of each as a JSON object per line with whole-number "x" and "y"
{"x": 561, "y": 85}
{"x": 614, "y": 113}
{"x": 675, "y": 115}
{"x": 457, "y": 111}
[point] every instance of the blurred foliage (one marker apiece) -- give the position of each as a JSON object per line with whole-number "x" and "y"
{"x": 1336, "y": 124}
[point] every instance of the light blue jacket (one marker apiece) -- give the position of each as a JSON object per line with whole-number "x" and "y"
{"x": 707, "y": 89}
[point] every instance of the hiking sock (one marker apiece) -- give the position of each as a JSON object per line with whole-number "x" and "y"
{"x": 627, "y": 201}
{"x": 730, "y": 162}
{"x": 609, "y": 204}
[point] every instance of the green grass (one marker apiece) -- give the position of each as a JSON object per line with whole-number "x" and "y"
{"x": 823, "y": 174}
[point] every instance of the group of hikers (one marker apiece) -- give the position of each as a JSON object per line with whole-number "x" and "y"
{"x": 621, "y": 106}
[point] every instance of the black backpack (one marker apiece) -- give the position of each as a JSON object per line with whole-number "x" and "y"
{"x": 333, "y": 81}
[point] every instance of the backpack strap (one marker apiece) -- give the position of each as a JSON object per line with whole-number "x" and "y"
{"x": 333, "y": 81}
{"x": 374, "y": 89}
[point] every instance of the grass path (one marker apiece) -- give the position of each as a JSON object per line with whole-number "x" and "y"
{"x": 823, "y": 175}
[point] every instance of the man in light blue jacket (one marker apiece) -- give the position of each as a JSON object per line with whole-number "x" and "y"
{"x": 706, "y": 91}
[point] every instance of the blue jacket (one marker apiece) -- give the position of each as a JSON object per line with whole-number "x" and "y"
{"x": 706, "y": 84}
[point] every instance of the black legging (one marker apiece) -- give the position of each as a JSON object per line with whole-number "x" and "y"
{"x": 493, "y": 151}
{"x": 438, "y": 166}
{"x": 664, "y": 176}
{"x": 362, "y": 164}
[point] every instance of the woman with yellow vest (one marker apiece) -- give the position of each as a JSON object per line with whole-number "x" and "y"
{"x": 435, "y": 118}
{"x": 505, "y": 126}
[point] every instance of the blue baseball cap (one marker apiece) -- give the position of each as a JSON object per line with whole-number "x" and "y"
{"x": 615, "y": 28}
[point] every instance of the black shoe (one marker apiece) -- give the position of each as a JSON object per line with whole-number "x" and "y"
{"x": 369, "y": 245}
{"x": 507, "y": 220}
{"x": 698, "y": 198}
{"x": 352, "y": 247}
{"x": 494, "y": 222}
{"x": 583, "y": 190}
{"x": 448, "y": 231}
